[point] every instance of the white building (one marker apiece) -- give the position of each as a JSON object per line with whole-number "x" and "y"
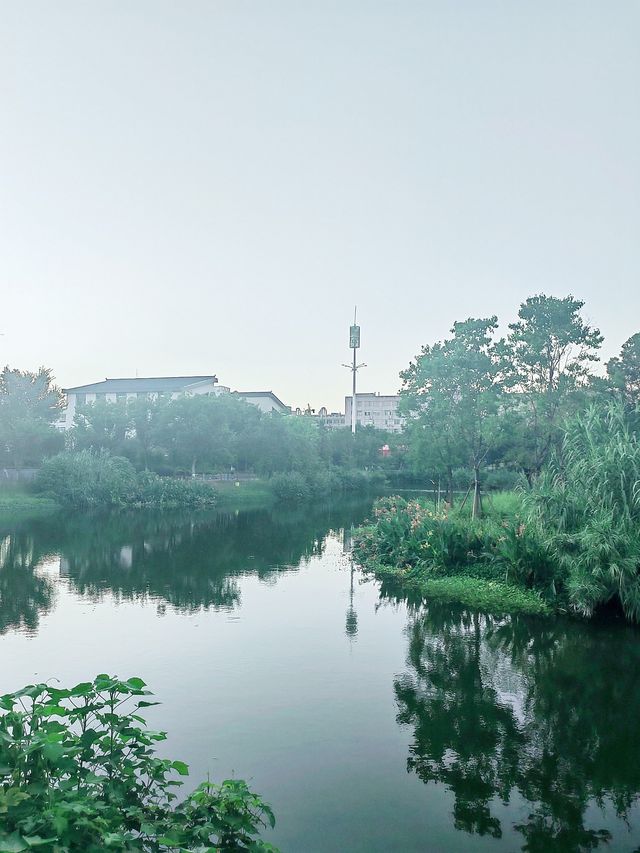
{"x": 378, "y": 410}
{"x": 332, "y": 420}
{"x": 266, "y": 401}
{"x": 116, "y": 390}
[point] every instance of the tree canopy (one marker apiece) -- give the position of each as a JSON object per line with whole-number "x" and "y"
{"x": 29, "y": 404}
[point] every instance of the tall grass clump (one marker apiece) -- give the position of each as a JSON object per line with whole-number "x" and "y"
{"x": 586, "y": 507}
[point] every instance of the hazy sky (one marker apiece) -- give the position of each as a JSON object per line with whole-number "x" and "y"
{"x": 210, "y": 185}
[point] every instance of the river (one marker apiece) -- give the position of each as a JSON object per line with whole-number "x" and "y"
{"x": 368, "y": 723}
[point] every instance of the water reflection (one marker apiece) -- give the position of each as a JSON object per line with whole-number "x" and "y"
{"x": 540, "y": 709}
{"x": 24, "y": 595}
{"x": 185, "y": 561}
{"x": 530, "y": 724}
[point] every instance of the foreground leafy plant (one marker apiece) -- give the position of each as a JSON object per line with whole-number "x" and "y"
{"x": 78, "y": 772}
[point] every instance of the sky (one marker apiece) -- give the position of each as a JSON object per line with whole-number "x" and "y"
{"x": 210, "y": 186}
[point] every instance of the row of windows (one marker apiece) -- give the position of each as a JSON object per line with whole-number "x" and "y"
{"x": 81, "y": 399}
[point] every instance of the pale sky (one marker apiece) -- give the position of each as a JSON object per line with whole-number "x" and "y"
{"x": 209, "y": 186}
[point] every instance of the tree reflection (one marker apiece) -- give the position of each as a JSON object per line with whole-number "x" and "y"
{"x": 24, "y": 595}
{"x": 184, "y": 561}
{"x": 543, "y": 708}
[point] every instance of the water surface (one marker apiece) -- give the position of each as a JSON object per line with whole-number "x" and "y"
{"x": 368, "y": 723}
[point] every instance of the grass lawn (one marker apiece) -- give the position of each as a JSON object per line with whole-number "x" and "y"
{"x": 17, "y": 504}
{"x": 247, "y": 493}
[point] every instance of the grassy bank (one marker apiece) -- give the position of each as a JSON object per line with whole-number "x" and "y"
{"x": 18, "y": 504}
{"x": 248, "y": 493}
{"x": 495, "y": 564}
{"x": 491, "y": 596}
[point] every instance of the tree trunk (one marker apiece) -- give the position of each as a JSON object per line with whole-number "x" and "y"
{"x": 476, "y": 511}
{"x": 193, "y": 469}
{"x": 450, "y": 486}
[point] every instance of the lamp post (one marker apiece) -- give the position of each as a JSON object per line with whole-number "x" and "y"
{"x": 354, "y": 344}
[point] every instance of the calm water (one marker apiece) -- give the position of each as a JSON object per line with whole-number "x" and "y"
{"x": 368, "y": 724}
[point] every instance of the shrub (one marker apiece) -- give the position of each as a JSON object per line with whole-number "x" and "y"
{"x": 503, "y": 480}
{"x": 87, "y": 479}
{"x": 290, "y": 487}
{"x": 154, "y": 491}
{"x": 320, "y": 482}
{"x": 416, "y": 544}
{"x": 79, "y": 774}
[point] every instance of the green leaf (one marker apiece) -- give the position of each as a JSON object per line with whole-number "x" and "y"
{"x": 14, "y": 843}
{"x": 53, "y": 752}
{"x": 180, "y": 767}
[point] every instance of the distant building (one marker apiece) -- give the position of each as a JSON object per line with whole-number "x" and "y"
{"x": 332, "y": 420}
{"x": 266, "y": 401}
{"x": 378, "y": 410}
{"x": 116, "y": 390}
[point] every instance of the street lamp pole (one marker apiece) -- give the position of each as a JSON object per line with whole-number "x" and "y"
{"x": 354, "y": 344}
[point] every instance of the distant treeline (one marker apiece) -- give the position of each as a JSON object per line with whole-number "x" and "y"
{"x": 480, "y": 412}
{"x": 114, "y": 449}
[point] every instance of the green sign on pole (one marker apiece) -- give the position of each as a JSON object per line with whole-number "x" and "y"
{"x": 354, "y": 337}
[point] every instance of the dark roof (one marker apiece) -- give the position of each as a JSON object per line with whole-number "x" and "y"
{"x": 141, "y": 385}
{"x": 262, "y": 394}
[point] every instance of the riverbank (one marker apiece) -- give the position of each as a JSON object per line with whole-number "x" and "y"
{"x": 243, "y": 494}
{"x": 494, "y": 564}
{"x": 490, "y": 596}
{"x": 17, "y": 504}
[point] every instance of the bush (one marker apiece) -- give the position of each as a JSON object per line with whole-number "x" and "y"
{"x": 155, "y": 491}
{"x": 79, "y": 774}
{"x": 321, "y": 482}
{"x": 503, "y": 480}
{"x": 416, "y": 544}
{"x": 290, "y": 487}
{"x": 87, "y": 479}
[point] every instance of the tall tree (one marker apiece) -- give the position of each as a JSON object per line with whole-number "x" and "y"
{"x": 101, "y": 425}
{"x": 428, "y": 401}
{"x": 29, "y": 404}
{"x": 551, "y": 348}
{"x": 195, "y": 432}
{"x": 624, "y": 371}
{"x": 453, "y": 390}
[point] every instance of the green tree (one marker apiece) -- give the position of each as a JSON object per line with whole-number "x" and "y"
{"x": 452, "y": 393}
{"x": 29, "y": 404}
{"x": 429, "y": 402}
{"x": 624, "y": 371}
{"x": 551, "y": 348}
{"x": 101, "y": 426}
{"x": 195, "y": 432}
